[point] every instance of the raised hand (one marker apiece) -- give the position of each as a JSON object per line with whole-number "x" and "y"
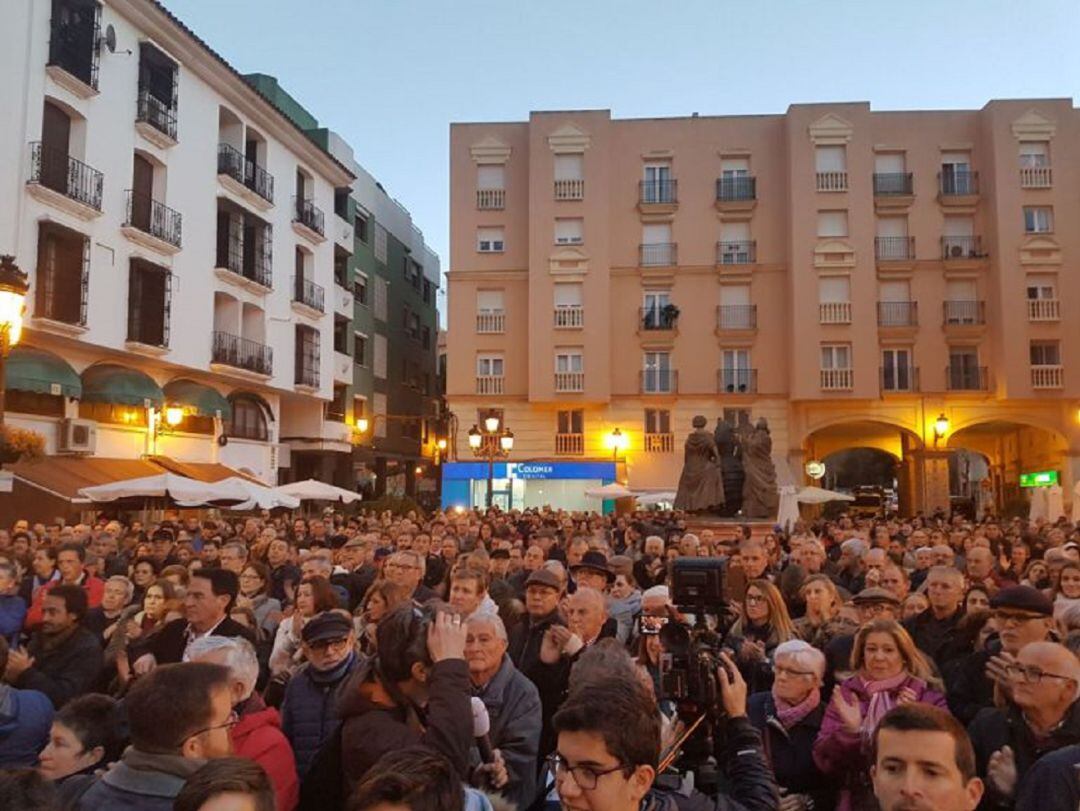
{"x": 849, "y": 710}
{"x": 1001, "y": 771}
{"x": 732, "y": 687}
{"x": 446, "y": 637}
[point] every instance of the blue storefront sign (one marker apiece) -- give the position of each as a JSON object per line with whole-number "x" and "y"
{"x": 458, "y": 476}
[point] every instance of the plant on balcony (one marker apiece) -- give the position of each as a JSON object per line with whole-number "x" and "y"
{"x": 18, "y": 443}
{"x": 669, "y": 313}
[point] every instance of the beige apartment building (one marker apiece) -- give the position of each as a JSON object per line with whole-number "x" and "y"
{"x": 901, "y": 281}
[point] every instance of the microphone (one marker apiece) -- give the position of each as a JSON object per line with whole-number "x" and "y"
{"x": 481, "y": 722}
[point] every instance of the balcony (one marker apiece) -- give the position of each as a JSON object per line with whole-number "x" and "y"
{"x": 155, "y": 119}
{"x": 307, "y": 376}
{"x": 658, "y": 319}
{"x": 152, "y": 223}
{"x": 569, "y": 190}
{"x": 660, "y": 443}
{"x": 736, "y": 188}
{"x": 894, "y": 249}
{"x": 658, "y": 381}
{"x": 736, "y": 317}
{"x": 832, "y": 181}
{"x": 958, "y": 188}
{"x": 837, "y": 379}
{"x": 658, "y": 193}
{"x": 252, "y": 261}
{"x": 738, "y": 380}
{"x": 1044, "y": 309}
{"x": 74, "y": 52}
{"x": 308, "y": 294}
{"x": 492, "y": 322}
{"x": 898, "y": 313}
{"x": 569, "y": 316}
{"x": 893, "y": 184}
{"x": 569, "y": 382}
{"x": 1048, "y": 377}
{"x": 899, "y": 380}
{"x": 308, "y": 220}
{"x": 1036, "y": 177}
{"x": 959, "y": 248}
{"x": 491, "y": 199}
{"x": 569, "y": 444}
{"x": 964, "y": 313}
{"x": 61, "y": 180}
{"x": 740, "y": 252}
{"x": 242, "y": 353}
{"x": 967, "y": 378}
{"x": 489, "y": 384}
{"x": 834, "y": 312}
{"x": 658, "y": 255}
{"x": 251, "y": 181}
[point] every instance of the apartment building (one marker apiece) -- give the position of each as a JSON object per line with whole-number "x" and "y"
{"x": 862, "y": 279}
{"x": 175, "y": 224}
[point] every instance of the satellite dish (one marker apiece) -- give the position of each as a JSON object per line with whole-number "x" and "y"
{"x": 110, "y": 38}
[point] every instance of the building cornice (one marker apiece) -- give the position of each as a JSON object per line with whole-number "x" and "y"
{"x": 487, "y": 275}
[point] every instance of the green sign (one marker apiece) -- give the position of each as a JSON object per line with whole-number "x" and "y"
{"x": 1041, "y": 478}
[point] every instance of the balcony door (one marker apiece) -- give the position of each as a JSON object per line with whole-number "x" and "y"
{"x": 55, "y": 145}
{"x": 963, "y": 368}
{"x": 735, "y": 377}
{"x": 657, "y": 183}
{"x": 956, "y": 173}
{"x": 142, "y": 193}
{"x": 657, "y": 373}
{"x": 653, "y": 316}
{"x": 896, "y": 369}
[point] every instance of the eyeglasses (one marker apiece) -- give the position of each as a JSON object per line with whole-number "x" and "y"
{"x": 1032, "y": 674}
{"x": 324, "y": 644}
{"x": 754, "y": 599}
{"x": 230, "y": 722}
{"x": 780, "y": 670}
{"x": 1011, "y": 617}
{"x": 586, "y": 777}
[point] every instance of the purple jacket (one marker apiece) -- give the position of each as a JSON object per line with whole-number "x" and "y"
{"x": 840, "y": 753}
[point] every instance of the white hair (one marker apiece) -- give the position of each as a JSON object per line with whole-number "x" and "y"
{"x": 804, "y": 654}
{"x": 129, "y": 587}
{"x": 488, "y": 618}
{"x": 239, "y": 657}
{"x": 856, "y": 546}
{"x": 657, "y": 591}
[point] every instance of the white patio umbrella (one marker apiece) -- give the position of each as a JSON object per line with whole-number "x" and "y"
{"x": 260, "y": 497}
{"x": 608, "y": 491}
{"x": 648, "y": 499}
{"x": 314, "y": 490}
{"x": 184, "y": 491}
{"x": 819, "y": 495}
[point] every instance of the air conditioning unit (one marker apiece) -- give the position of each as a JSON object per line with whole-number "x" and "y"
{"x": 77, "y": 436}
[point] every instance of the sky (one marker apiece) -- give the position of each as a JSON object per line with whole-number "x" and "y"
{"x": 390, "y": 76}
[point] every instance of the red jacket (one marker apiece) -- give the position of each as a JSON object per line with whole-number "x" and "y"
{"x": 94, "y": 588}
{"x": 258, "y": 736}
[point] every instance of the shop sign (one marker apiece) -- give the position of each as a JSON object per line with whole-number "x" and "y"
{"x": 1041, "y": 478}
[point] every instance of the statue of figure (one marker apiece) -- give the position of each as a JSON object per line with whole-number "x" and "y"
{"x": 761, "y": 497}
{"x": 731, "y": 467}
{"x": 700, "y": 485}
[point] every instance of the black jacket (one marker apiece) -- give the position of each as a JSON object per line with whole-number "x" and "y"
{"x": 1052, "y": 784}
{"x": 169, "y": 643}
{"x": 994, "y": 728}
{"x": 934, "y": 637}
{"x": 970, "y": 690}
{"x": 66, "y": 671}
{"x": 790, "y": 752}
{"x": 525, "y": 639}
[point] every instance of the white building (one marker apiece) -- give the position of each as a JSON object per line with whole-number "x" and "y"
{"x": 171, "y": 221}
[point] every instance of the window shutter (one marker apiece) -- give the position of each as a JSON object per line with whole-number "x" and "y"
{"x": 490, "y": 177}
{"x": 833, "y": 289}
{"x": 830, "y": 159}
{"x": 569, "y": 167}
{"x": 568, "y": 295}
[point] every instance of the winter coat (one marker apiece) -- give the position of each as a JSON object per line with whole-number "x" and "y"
{"x": 513, "y": 705}
{"x": 94, "y": 588}
{"x": 994, "y": 728}
{"x": 790, "y": 751}
{"x": 262, "y": 607}
{"x": 935, "y": 638}
{"x": 65, "y": 670}
{"x": 309, "y": 713}
{"x": 525, "y": 639}
{"x": 12, "y": 617}
{"x": 25, "y": 719}
{"x": 257, "y": 736}
{"x": 374, "y": 724}
{"x": 846, "y": 755}
{"x": 140, "y": 781}
{"x": 1052, "y": 783}
{"x": 970, "y": 690}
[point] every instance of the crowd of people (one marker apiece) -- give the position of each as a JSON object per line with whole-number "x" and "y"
{"x": 489, "y": 660}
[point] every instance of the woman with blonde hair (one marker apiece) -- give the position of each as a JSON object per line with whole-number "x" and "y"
{"x": 764, "y": 623}
{"x": 889, "y": 671}
{"x": 823, "y": 603}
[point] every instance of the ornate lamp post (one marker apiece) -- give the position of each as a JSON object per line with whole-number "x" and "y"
{"x": 618, "y": 441}
{"x": 491, "y": 442}
{"x": 13, "y": 290}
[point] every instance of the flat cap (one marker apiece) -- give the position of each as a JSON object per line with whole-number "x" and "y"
{"x": 544, "y": 577}
{"x": 875, "y": 594}
{"x": 1023, "y": 598}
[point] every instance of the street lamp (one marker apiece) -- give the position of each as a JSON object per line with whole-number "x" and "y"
{"x": 618, "y": 442}
{"x": 941, "y": 427}
{"x": 491, "y": 443}
{"x": 174, "y": 415}
{"x": 13, "y": 290}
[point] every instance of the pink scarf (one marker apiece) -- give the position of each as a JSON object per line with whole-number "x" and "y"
{"x": 790, "y": 714}
{"x": 882, "y": 699}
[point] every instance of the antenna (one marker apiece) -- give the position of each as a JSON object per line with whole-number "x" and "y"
{"x": 108, "y": 39}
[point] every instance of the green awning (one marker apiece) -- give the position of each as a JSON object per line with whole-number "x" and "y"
{"x": 118, "y": 385}
{"x": 30, "y": 369}
{"x": 200, "y": 399}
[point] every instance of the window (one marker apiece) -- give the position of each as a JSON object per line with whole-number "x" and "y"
{"x": 30, "y": 402}
{"x": 307, "y": 356}
{"x": 956, "y": 175}
{"x": 489, "y": 240}
{"x": 382, "y": 297}
{"x": 157, "y": 99}
{"x": 73, "y": 40}
{"x": 414, "y": 326}
{"x": 1041, "y": 287}
{"x": 380, "y": 243}
{"x": 567, "y": 294}
{"x": 1045, "y": 353}
{"x": 1038, "y": 219}
{"x": 896, "y": 371}
{"x": 489, "y": 366}
{"x": 734, "y": 169}
{"x": 835, "y": 356}
{"x": 656, "y": 234}
{"x": 63, "y": 274}
{"x": 569, "y": 167}
{"x": 654, "y": 312}
{"x": 658, "y": 187}
{"x": 425, "y": 337}
{"x": 964, "y": 372}
{"x": 830, "y": 159}
{"x": 360, "y": 289}
{"x": 657, "y": 375}
{"x": 657, "y": 421}
{"x": 568, "y": 361}
{"x": 489, "y": 302}
{"x": 571, "y": 421}
{"x": 832, "y": 223}
{"x": 834, "y": 290}
{"x": 889, "y": 163}
{"x": 378, "y": 363}
{"x": 490, "y": 177}
{"x": 341, "y": 335}
{"x": 335, "y": 409}
{"x": 736, "y": 376}
{"x": 359, "y": 407}
{"x": 569, "y": 231}
{"x": 736, "y": 311}
{"x": 360, "y": 342}
{"x": 378, "y": 408}
{"x": 362, "y": 227}
{"x": 1034, "y": 154}
{"x": 736, "y": 247}
{"x": 428, "y": 290}
{"x": 149, "y": 303}
{"x": 736, "y": 416}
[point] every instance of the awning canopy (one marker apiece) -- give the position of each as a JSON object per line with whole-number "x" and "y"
{"x": 202, "y": 471}
{"x": 41, "y": 372}
{"x": 184, "y": 491}
{"x": 314, "y": 490}
{"x": 200, "y": 399}
{"x": 119, "y": 385}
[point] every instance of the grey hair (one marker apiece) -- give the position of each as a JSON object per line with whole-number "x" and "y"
{"x": 488, "y": 618}
{"x": 240, "y": 548}
{"x": 805, "y": 654}
{"x": 129, "y": 587}
{"x": 239, "y": 657}
{"x": 855, "y": 546}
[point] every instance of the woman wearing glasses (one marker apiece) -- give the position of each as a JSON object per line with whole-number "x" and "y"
{"x": 889, "y": 670}
{"x": 788, "y": 718}
{"x": 764, "y": 624}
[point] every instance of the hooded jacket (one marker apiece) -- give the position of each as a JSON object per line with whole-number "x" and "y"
{"x": 25, "y": 719}
{"x": 257, "y": 736}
